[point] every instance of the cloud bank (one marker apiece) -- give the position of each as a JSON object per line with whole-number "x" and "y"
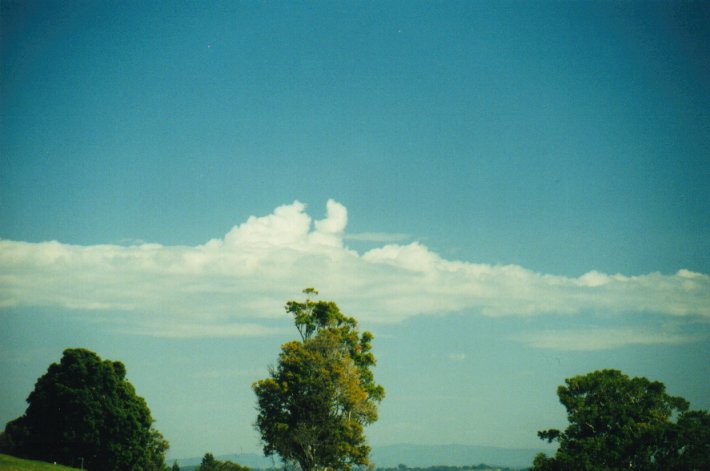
{"x": 232, "y": 286}
{"x": 603, "y": 339}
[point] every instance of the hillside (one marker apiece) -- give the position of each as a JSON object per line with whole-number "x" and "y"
{"x": 10, "y": 463}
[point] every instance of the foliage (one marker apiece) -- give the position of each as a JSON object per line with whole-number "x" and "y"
{"x": 688, "y": 443}
{"x": 617, "y": 422}
{"x": 314, "y": 405}
{"x": 5, "y": 444}
{"x": 10, "y": 463}
{"x": 209, "y": 463}
{"x": 84, "y": 411}
{"x": 478, "y": 467}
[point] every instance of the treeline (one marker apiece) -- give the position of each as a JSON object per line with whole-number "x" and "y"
{"x": 615, "y": 422}
{"x": 313, "y": 407}
{"x": 209, "y": 463}
{"x": 480, "y": 467}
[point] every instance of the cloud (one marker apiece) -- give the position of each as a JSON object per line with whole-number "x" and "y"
{"x": 603, "y": 339}
{"x": 187, "y": 329}
{"x": 232, "y": 286}
{"x": 456, "y": 356}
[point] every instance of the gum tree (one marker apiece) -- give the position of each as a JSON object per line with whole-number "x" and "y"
{"x": 316, "y": 402}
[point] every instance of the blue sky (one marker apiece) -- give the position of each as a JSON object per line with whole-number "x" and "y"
{"x": 506, "y": 193}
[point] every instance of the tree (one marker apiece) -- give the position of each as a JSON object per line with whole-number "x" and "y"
{"x": 687, "y": 443}
{"x": 5, "y": 445}
{"x": 617, "y": 422}
{"x": 313, "y": 407}
{"x": 209, "y": 463}
{"x": 84, "y": 411}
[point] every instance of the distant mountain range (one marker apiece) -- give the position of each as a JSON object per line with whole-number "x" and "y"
{"x": 251, "y": 460}
{"x": 412, "y": 456}
{"x": 452, "y": 455}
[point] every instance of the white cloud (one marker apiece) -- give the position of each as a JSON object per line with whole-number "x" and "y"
{"x": 228, "y": 286}
{"x": 602, "y": 339}
{"x": 457, "y": 356}
{"x": 335, "y": 221}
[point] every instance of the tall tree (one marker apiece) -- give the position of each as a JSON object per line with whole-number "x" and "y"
{"x": 315, "y": 403}
{"x": 83, "y": 410}
{"x": 617, "y": 422}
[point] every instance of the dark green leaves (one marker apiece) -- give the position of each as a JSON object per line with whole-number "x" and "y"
{"x": 83, "y": 409}
{"x": 617, "y": 422}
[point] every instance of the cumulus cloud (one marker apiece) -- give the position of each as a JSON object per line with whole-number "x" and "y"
{"x": 231, "y": 285}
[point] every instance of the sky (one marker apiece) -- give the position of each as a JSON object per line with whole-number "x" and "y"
{"x": 507, "y": 194}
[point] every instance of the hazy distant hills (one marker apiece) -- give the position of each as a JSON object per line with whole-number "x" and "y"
{"x": 412, "y": 456}
{"x": 452, "y": 455}
{"x": 251, "y": 460}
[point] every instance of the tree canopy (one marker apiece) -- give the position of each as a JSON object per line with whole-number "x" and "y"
{"x": 617, "y": 422}
{"x": 210, "y": 463}
{"x": 84, "y": 411}
{"x": 313, "y": 407}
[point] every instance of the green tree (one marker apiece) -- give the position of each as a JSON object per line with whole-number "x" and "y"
{"x": 313, "y": 407}
{"x": 83, "y": 410}
{"x": 209, "y": 463}
{"x": 5, "y": 444}
{"x": 617, "y": 422}
{"x": 687, "y": 443}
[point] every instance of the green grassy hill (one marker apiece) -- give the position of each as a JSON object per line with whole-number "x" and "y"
{"x": 10, "y": 463}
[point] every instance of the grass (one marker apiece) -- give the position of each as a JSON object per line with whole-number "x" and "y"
{"x": 10, "y": 463}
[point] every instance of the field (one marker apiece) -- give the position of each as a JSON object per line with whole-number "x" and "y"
{"x": 10, "y": 463}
